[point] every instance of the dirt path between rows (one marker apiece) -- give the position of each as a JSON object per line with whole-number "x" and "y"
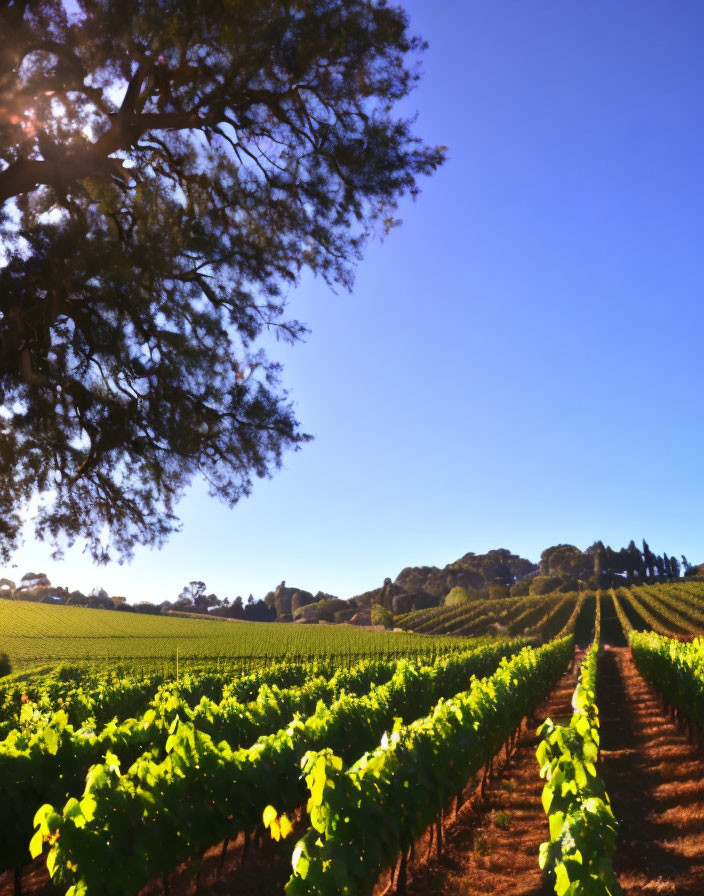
{"x": 492, "y": 845}
{"x": 655, "y": 780}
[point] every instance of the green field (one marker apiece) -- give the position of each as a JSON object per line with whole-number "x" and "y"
{"x": 40, "y": 634}
{"x": 90, "y": 750}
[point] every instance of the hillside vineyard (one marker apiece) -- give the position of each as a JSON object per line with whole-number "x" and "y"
{"x": 147, "y": 755}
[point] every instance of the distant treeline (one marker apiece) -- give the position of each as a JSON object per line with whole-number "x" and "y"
{"x": 37, "y": 588}
{"x": 496, "y": 574}
{"x": 602, "y": 566}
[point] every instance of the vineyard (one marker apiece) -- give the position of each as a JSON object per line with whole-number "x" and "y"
{"x": 489, "y": 747}
{"x": 672, "y": 609}
{"x": 35, "y": 634}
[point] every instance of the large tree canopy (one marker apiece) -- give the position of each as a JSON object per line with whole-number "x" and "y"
{"x": 167, "y": 170}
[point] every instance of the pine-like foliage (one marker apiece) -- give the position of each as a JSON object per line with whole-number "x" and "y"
{"x": 167, "y": 170}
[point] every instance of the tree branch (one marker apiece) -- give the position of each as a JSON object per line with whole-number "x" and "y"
{"x": 94, "y": 160}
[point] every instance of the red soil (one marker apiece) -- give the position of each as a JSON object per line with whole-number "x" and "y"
{"x": 655, "y": 780}
{"x": 491, "y": 846}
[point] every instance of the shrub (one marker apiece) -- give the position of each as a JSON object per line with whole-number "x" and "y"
{"x": 521, "y": 589}
{"x": 456, "y": 597}
{"x": 321, "y": 611}
{"x": 545, "y": 584}
{"x": 5, "y": 664}
{"x": 503, "y": 819}
{"x": 498, "y": 591}
{"x": 382, "y": 616}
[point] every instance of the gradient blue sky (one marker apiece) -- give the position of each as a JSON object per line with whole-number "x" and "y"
{"x": 520, "y": 364}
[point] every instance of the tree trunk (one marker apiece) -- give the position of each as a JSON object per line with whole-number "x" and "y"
{"x": 401, "y": 880}
{"x": 223, "y": 853}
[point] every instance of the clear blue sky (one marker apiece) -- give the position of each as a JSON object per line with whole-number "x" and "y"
{"x": 520, "y": 364}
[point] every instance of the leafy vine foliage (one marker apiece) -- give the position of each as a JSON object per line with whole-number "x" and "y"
{"x": 675, "y": 669}
{"x": 579, "y": 854}
{"x": 363, "y": 815}
{"x": 165, "y": 809}
{"x": 167, "y": 172}
{"x": 45, "y": 741}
